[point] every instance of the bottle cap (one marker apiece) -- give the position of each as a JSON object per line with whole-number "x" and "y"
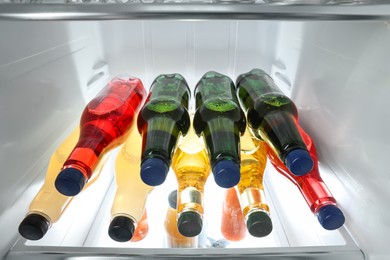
{"x": 34, "y": 227}
{"x": 121, "y": 229}
{"x": 226, "y": 173}
{"x": 330, "y": 217}
{"x": 172, "y": 199}
{"x": 189, "y": 224}
{"x": 299, "y": 162}
{"x": 70, "y": 182}
{"x": 154, "y": 171}
{"x": 259, "y": 224}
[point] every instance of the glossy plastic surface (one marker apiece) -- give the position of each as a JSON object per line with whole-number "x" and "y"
{"x": 131, "y": 192}
{"x": 104, "y": 124}
{"x": 311, "y": 185}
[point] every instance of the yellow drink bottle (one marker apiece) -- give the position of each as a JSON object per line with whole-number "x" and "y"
{"x": 250, "y": 187}
{"x": 48, "y": 205}
{"x": 173, "y": 237}
{"x": 192, "y": 168}
{"x": 131, "y": 192}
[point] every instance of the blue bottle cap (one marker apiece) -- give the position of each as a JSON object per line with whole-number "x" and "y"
{"x": 70, "y": 182}
{"x": 154, "y": 171}
{"x": 34, "y": 226}
{"x": 299, "y": 162}
{"x": 226, "y": 173}
{"x": 330, "y": 217}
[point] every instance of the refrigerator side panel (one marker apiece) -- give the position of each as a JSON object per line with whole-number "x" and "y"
{"x": 42, "y": 94}
{"x": 341, "y": 86}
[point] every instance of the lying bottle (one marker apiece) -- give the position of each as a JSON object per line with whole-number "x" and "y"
{"x": 273, "y": 117}
{"x": 232, "y": 221}
{"x": 162, "y": 120}
{"x": 48, "y": 205}
{"x": 250, "y": 187}
{"x": 142, "y": 228}
{"x": 173, "y": 237}
{"x": 313, "y": 188}
{"x": 192, "y": 168}
{"x": 131, "y": 193}
{"x": 104, "y": 125}
{"x": 220, "y": 120}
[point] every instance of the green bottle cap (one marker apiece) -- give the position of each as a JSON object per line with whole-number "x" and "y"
{"x": 121, "y": 229}
{"x": 189, "y": 224}
{"x": 259, "y": 224}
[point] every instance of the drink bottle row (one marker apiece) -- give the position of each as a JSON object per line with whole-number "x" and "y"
{"x": 235, "y": 129}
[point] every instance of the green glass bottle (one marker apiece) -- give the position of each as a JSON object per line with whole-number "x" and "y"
{"x": 273, "y": 117}
{"x": 163, "y": 118}
{"x": 221, "y": 121}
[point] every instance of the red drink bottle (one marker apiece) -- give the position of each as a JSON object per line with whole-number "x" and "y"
{"x": 233, "y": 226}
{"x": 104, "y": 124}
{"x": 312, "y": 187}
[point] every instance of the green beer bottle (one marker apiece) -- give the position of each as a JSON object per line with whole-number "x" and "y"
{"x": 162, "y": 119}
{"x": 273, "y": 117}
{"x": 221, "y": 121}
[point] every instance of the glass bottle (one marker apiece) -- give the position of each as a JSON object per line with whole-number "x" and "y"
{"x": 313, "y": 188}
{"x": 104, "y": 125}
{"x": 48, "y": 205}
{"x": 220, "y": 120}
{"x": 162, "y": 120}
{"x": 273, "y": 117}
{"x": 192, "y": 168}
{"x": 232, "y": 221}
{"x": 131, "y": 193}
{"x": 250, "y": 187}
{"x": 173, "y": 237}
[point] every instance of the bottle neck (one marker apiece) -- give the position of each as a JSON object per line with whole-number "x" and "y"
{"x": 83, "y": 159}
{"x": 159, "y": 138}
{"x": 190, "y": 199}
{"x": 315, "y": 192}
{"x": 279, "y": 131}
{"x": 253, "y": 199}
{"x": 222, "y": 139}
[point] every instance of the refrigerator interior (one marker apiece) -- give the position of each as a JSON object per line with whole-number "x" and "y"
{"x": 337, "y": 73}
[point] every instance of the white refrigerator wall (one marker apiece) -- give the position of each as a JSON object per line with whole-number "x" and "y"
{"x": 336, "y": 72}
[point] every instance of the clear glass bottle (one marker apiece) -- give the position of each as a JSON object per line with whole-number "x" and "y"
{"x": 192, "y": 168}
{"x": 173, "y": 237}
{"x": 250, "y": 187}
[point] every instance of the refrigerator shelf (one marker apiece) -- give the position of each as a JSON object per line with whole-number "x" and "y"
{"x": 194, "y": 11}
{"x": 318, "y": 253}
{"x": 73, "y": 237}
